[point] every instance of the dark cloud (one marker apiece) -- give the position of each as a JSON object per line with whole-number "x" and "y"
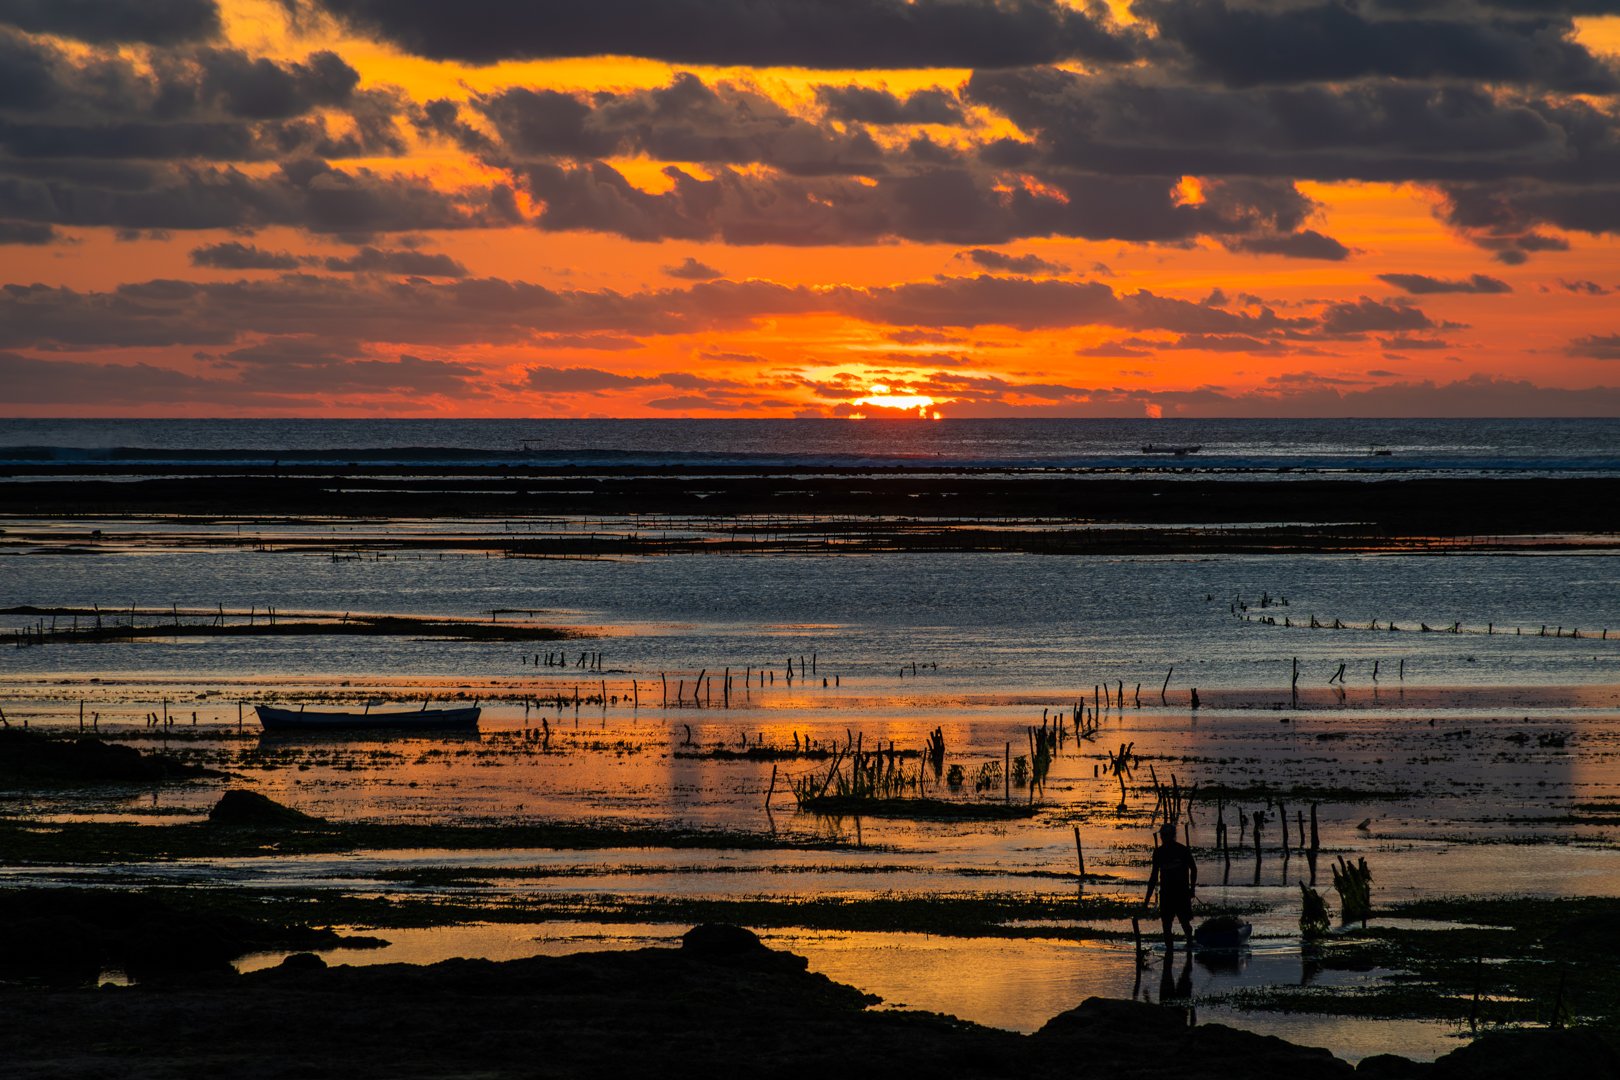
{"x": 1014, "y": 264}
{"x": 154, "y": 22}
{"x": 689, "y": 269}
{"x": 168, "y": 86}
{"x": 235, "y": 255}
{"x": 289, "y": 352}
{"x": 1423, "y": 284}
{"x": 1137, "y": 123}
{"x": 1370, "y": 316}
{"x": 1409, "y": 343}
{"x": 579, "y": 379}
{"x": 318, "y": 311}
{"x": 1507, "y": 218}
{"x": 370, "y": 260}
{"x": 1596, "y": 347}
{"x": 1229, "y": 343}
{"x": 1585, "y": 288}
{"x": 698, "y": 402}
{"x": 1027, "y": 304}
{"x": 30, "y": 381}
{"x": 1283, "y": 41}
{"x": 923, "y": 337}
{"x": 203, "y": 104}
{"x": 26, "y": 232}
{"x": 307, "y": 193}
{"x": 408, "y": 375}
{"x": 843, "y": 34}
{"x": 605, "y": 342}
{"x": 297, "y": 383}
{"x": 1305, "y": 244}
{"x": 870, "y": 105}
{"x": 688, "y": 120}
{"x": 937, "y": 205}
{"x": 1119, "y": 350}
{"x": 261, "y": 89}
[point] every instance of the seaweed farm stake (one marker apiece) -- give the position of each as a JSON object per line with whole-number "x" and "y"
{"x": 1259, "y": 819}
{"x": 1162, "y": 699}
{"x": 1080, "y": 855}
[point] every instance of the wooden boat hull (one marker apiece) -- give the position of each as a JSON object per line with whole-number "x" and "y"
{"x": 273, "y": 719}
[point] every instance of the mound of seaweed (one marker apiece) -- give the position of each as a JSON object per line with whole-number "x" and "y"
{"x": 33, "y": 759}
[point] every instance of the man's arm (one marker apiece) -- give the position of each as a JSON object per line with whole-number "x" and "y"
{"x": 1153, "y": 880}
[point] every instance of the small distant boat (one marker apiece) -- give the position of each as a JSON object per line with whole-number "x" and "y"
{"x": 1222, "y": 932}
{"x": 423, "y": 719}
{"x": 1178, "y": 451}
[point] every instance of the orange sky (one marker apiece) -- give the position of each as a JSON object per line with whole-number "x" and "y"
{"x": 661, "y": 311}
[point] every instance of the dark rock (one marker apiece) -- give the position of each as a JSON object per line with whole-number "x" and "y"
{"x": 721, "y": 939}
{"x": 303, "y": 961}
{"x": 1101, "y": 1018}
{"x": 1566, "y": 1054}
{"x": 1129, "y": 1038}
{"x": 248, "y": 808}
{"x": 1392, "y": 1067}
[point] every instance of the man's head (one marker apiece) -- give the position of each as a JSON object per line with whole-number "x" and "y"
{"x": 1167, "y": 831}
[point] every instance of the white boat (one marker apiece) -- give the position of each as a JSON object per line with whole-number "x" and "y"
{"x": 423, "y": 719}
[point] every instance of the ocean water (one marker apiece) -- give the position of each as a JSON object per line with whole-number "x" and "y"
{"x": 1450, "y": 447}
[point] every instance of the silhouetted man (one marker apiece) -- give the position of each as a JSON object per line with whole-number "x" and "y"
{"x": 1176, "y": 877}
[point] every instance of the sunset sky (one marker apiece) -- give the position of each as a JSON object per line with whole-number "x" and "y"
{"x": 809, "y": 207}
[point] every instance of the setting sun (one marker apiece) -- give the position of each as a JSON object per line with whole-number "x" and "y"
{"x": 885, "y": 397}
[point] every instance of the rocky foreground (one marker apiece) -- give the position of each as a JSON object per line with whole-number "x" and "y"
{"x": 720, "y": 1005}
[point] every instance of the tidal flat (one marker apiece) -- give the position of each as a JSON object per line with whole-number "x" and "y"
{"x": 648, "y": 722}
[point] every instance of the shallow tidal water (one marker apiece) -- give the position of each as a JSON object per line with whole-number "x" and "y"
{"x": 1467, "y": 766}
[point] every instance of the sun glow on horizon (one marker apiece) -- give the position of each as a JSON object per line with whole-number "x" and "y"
{"x": 884, "y": 397}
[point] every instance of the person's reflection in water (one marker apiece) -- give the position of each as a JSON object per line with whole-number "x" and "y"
{"x": 1175, "y": 991}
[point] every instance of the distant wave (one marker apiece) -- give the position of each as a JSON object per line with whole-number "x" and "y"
{"x": 1368, "y": 448}
{"x": 123, "y": 458}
